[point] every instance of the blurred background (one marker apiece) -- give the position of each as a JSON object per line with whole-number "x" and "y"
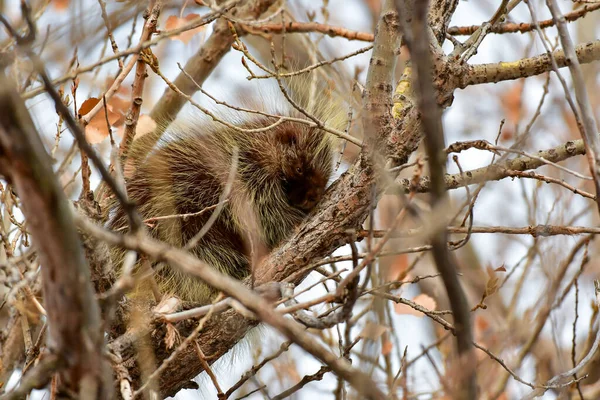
{"x": 511, "y": 276}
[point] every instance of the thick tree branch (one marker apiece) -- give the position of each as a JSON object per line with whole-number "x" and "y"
{"x": 74, "y": 324}
{"x": 526, "y": 67}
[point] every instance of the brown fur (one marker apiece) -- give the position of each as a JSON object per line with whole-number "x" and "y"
{"x": 281, "y": 175}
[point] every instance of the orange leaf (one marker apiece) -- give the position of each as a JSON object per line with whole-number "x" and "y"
{"x": 119, "y": 104}
{"x": 387, "y": 347}
{"x": 96, "y": 131}
{"x": 512, "y": 102}
{"x": 174, "y": 22}
{"x": 87, "y": 106}
{"x": 60, "y": 5}
{"x": 397, "y": 269}
{"x": 492, "y": 284}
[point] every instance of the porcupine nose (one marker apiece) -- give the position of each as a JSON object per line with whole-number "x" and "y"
{"x": 312, "y": 197}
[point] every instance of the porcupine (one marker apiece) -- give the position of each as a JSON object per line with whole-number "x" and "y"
{"x": 282, "y": 172}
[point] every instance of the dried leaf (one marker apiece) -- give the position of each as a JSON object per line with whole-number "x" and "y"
{"x": 174, "y": 22}
{"x": 397, "y": 269}
{"x": 171, "y": 337}
{"x": 119, "y": 104}
{"x": 387, "y": 347}
{"x": 87, "y": 106}
{"x": 96, "y": 131}
{"x": 373, "y": 331}
{"x": 60, "y": 5}
{"x": 512, "y": 105}
{"x": 492, "y": 284}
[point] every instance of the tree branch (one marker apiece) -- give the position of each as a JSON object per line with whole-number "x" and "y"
{"x": 74, "y": 324}
{"x": 495, "y": 172}
{"x": 524, "y": 27}
{"x": 588, "y": 127}
{"x": 526, "y": 67}
{"x": 189, "y": 264}
{"x": 434, "y": 144}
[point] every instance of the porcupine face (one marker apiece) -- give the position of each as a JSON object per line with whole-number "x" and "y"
{"x": 306, "y": 166}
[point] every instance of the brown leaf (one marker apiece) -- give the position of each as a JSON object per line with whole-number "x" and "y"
{"x": 373, "y": 331}
{"x": 174, "y": 22}
{"x": 501, "y": 268}
{"x": 397, "y": 269}
{"x": 96, "y": 131}
{"x": 116, "y": 108}
{"x": 60, "y": 5}
{"x": 512, "y": 102}
{"x": 492, "y": 284}
{"x": 387, "y": 347}
{"x": 87, "y": 106}
{"x": 119, "y": 104}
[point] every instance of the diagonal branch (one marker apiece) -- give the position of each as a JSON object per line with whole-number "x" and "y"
{"x": 74, "y": 324}
{"x": 589, "y": 129}
{"x": 445, "y": 261}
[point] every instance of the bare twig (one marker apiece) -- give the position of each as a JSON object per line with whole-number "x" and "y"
{"x": 589, "y": 127}
{"x": 524, "y": 27}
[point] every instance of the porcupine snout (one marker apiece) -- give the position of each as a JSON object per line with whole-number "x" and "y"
{"x": 313, "y": 196}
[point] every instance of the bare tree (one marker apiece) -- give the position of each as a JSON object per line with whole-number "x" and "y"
{"x": 436, "y": 265}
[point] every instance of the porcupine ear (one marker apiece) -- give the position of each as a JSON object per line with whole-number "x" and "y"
{"x": 287, "y": 136}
